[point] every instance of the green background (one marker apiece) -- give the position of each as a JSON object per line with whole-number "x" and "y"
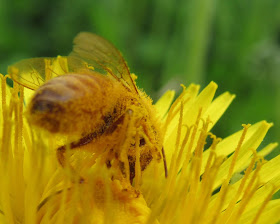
{"x": 235, "y": 43}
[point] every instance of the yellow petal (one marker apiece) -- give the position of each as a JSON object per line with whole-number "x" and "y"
{"x": 28, "y": 93}
{"x": 269, "y": 215}
{"x": 228, "y": 145}
{"x": 269, "y": 177}
{"x": 163, "y": 104}
{"x": 203, "y": 103}
{"x": 249, "y": 143}
{"x": 267, "y": 149}
{"x": 218, "y": 107}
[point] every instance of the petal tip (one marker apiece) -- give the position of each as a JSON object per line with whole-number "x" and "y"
{"x": 213, "y": 84}
{"x": 268, "y": 124}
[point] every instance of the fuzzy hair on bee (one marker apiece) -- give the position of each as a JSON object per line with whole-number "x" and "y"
{"x": 91, "y": 94}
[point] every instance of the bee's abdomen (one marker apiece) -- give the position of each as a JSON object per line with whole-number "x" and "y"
{"x": 74, "y": 102}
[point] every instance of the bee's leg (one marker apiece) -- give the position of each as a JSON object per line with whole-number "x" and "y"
{"x": 126, "y": 127}
{"x": 164, "y": 162}
{"x": 146, "y": 138}
{"x": 60, "y": 154}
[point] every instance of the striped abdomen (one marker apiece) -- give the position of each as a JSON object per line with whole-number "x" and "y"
{"x": 75, "y": 103}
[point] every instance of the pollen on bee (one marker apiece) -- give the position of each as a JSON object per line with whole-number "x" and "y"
{"x": 91, "y": 97}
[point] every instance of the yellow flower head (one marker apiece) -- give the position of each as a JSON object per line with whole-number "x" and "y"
{"x": 82, "y": 144}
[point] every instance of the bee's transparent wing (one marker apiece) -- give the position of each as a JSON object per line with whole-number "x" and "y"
{"x": 34, "y": 72}
{"x": 89, "y": 52}
{"x": 103, "y": 57}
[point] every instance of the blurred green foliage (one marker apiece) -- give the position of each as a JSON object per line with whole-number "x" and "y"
{"x": 236, "y": 43}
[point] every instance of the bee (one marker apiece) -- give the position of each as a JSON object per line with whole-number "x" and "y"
{"x": 91, "y": 94}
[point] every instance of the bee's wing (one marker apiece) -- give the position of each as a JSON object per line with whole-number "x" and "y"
{"x": 34, "y": 72}
{"x": 28, "y": 72}
{"x": 103, "y": 56}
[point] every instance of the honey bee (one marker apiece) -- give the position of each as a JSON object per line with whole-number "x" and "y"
{"x": 91, "y": 94}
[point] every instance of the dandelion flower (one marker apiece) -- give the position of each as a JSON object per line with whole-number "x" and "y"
{"x": 209, "y": 179}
